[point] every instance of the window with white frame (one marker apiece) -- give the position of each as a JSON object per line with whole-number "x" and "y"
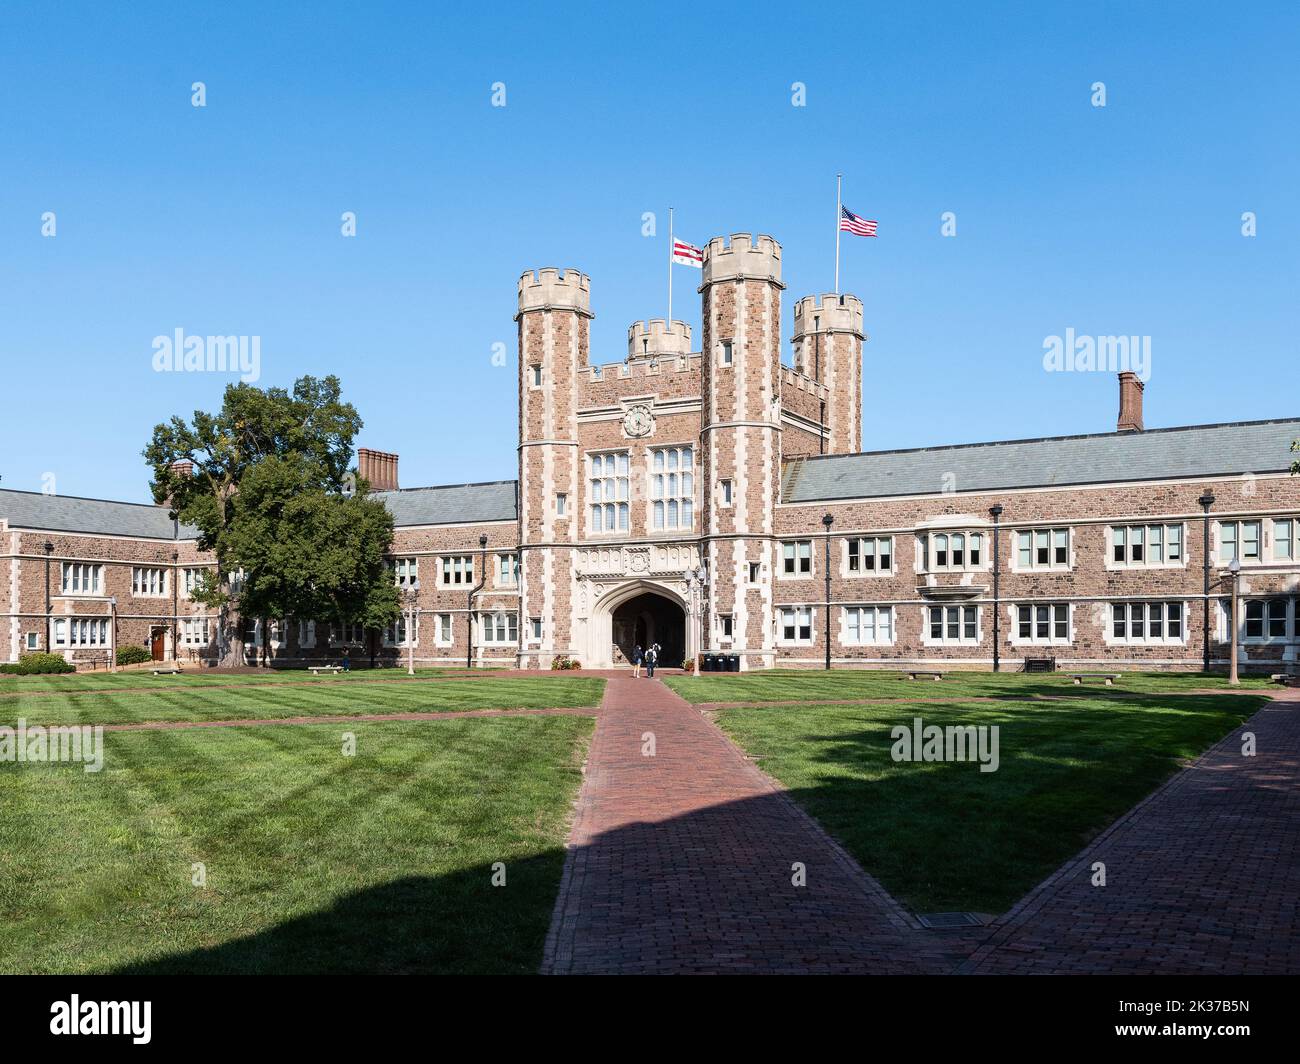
{"x": 148, "y": 582}
{"x": 1043, "y": 622}
{"x": 724, "y": 491}
{"x": 608, "y": 483}
{"x": 1146, "y": 545}
{"x": 395, "y": 633}
{"x": 954, "y": 624}
{"x": 195, "y": 632}
{"x": 406, "y": 571}
{"x": 794, "y": 624}
{"x": 1266, "y": 620}
{"x": 1240, "y": 540}
{"x": 871, "y": 554}
{"x": 535, "y": 375}
{"x": 952, "y": 551}
{"x": 456, "y": 571}
{"x": 1146, "y": 622}
{"x": 81, "y": 632}
{"x": 672, "y": 487}
{"x": 235, "y": 581}
{"x": 1286, "y": 539}
{"x": 726, "y": 355}
{"x": 726, "y": 625}
{"x": 33, "y": 640}
{"x": 347, "y": 635}
{"x": 192, "y": 578}
{"x": 1043, "y": 548}
{"x": 868, "y": 625}
{"x": 443, "y": 634}
{"x": 82, "y": 578}
{"x": 796, "y": 558}
{"x": 535, "y": 629}
{"x": 500, "y": 628}
{"x": 306, "y": 634}
{"x": 755, "y": 571}
{"x": 507, "y": 570}
{"x": 561, "y": 504}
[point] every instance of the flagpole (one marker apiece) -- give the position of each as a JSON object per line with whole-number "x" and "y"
{"x": 670, "y": 269}
{"x": 838, "y": 208}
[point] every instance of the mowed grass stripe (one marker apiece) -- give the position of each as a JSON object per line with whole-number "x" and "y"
{"x": 301, "y": 700}
{"x": 315, "y": 861}
{"x": 944, "y": 836}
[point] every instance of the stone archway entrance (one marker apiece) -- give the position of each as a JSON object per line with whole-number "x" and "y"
{"x": 648, "y": 619}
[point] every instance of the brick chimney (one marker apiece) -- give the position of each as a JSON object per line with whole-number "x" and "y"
{"x": 378, "y": 467}
{"x": 1130, "y": 403}
{"x": 183, "y": 468}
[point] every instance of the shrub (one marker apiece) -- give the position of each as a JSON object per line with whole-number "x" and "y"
{"x": 564, "y": 663}
{"x": 36, "y": 664}
{"x": 133, "y": 654}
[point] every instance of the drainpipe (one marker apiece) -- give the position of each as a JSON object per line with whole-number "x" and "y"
{"x": 996, "y": 512}
{"x": 482, "y": 562}
{"x": 828, "y": 520}
{"x": 176, "y": 611}
{"x": 1206, "y": 501}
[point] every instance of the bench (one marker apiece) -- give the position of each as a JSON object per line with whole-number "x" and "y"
{"x": 1108, "y": 677}
{"x": 921, "y": 672}
{"x": 316, "y": 670}
{"x": 166, "y": 670}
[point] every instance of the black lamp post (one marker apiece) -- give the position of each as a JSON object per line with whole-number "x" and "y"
{"x": 996, "y": 512}
{"x": 482, "y": 563}
{"x": 49, "y": 549}
{"x": 1206, "y": 501}
{"x": 828, "y": 520}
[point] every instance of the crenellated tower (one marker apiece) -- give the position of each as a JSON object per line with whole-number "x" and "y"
{"x": 554, "y": 322}
{"x": 828, "y": 341}
{"x": 740, "y": 436}
{"x": 656, "y": 339}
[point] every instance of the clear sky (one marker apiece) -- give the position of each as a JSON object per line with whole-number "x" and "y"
{"x": 225, "y": 219}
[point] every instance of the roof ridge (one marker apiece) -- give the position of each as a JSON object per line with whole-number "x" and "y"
{"x": 82, "y": 498}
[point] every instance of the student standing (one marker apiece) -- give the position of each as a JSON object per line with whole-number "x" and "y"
{"x": 637, "y": 655}
{"x": 651, "y": 660}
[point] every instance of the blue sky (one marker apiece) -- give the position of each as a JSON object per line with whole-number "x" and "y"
{"x": 225, "y": 219}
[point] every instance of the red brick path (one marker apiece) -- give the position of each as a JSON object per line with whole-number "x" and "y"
{"x": 681, "y": 862}
{"x": 1203, "y": 876}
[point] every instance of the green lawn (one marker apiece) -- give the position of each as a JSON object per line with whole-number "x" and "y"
{"x": 103, "y": 680}
{"x": 944, "y": 836}
{"x": 810, "y": 685}
{"x": 197, "y": 700}
{"x": 315, "y": 862}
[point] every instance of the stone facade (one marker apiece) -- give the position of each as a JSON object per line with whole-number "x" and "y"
{"x": 703, "y": 478}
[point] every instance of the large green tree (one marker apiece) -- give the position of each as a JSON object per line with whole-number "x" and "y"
{"x": 271, "y": 492}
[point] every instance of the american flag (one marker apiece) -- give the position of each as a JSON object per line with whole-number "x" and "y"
{"x": 851, "y": 223}
{"x": 685, "y": 254}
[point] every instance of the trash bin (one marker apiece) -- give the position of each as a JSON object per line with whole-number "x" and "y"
{"x": 706, "y": 663}
{"x": 733, "y": 662}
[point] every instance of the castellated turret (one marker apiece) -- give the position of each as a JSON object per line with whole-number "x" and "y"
{"x": 654, "y": 339}
{"x": 554, "y": 321}
{"x": 828, "y": 341}
{"x": 740, "y": 439}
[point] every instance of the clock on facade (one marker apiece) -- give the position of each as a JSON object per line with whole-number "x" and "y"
{"x": 638, "y": 421}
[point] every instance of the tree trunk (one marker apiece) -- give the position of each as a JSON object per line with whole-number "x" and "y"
{"x": 230, "y": 647}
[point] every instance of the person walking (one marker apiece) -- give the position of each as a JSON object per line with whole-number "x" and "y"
{"x": 651, "y": 660}
{"x": 637, "y": 656}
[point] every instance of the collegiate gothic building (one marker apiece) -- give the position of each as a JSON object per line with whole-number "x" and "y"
{"x": 713, "y": 500}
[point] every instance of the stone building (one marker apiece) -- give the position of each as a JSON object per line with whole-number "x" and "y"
{"x": 716, "y": 500}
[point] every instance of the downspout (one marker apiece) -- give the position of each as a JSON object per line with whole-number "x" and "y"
{"x": 1206, "y": 501}
{"x": 996, "y": 511}
{"x": 482, "y": 561}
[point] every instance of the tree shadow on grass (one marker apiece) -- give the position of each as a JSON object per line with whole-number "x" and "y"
{"x": 452, "y": 924}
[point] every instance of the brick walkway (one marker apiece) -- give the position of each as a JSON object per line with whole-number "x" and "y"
{"x": 1203, "y": 876}
{"x": 681, "y": 862}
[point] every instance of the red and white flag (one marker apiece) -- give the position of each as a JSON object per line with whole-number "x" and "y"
{"x": 852, "y": 223}
{"x": 685, "y": 254}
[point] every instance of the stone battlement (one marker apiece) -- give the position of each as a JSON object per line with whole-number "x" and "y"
{"x": 742, "y": 257}
{"x": 641, "y": 368}
{"x": 791, "y": 378}
{"x": 548, "y": 289}
{"x": 656, "y": 337}
{"x": 828, "y": 313}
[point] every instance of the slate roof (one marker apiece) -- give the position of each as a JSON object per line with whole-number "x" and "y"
{"x": 411, "y": 506}
{"x": 1156, "y": 454}
{"x": 452, "y": 503}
